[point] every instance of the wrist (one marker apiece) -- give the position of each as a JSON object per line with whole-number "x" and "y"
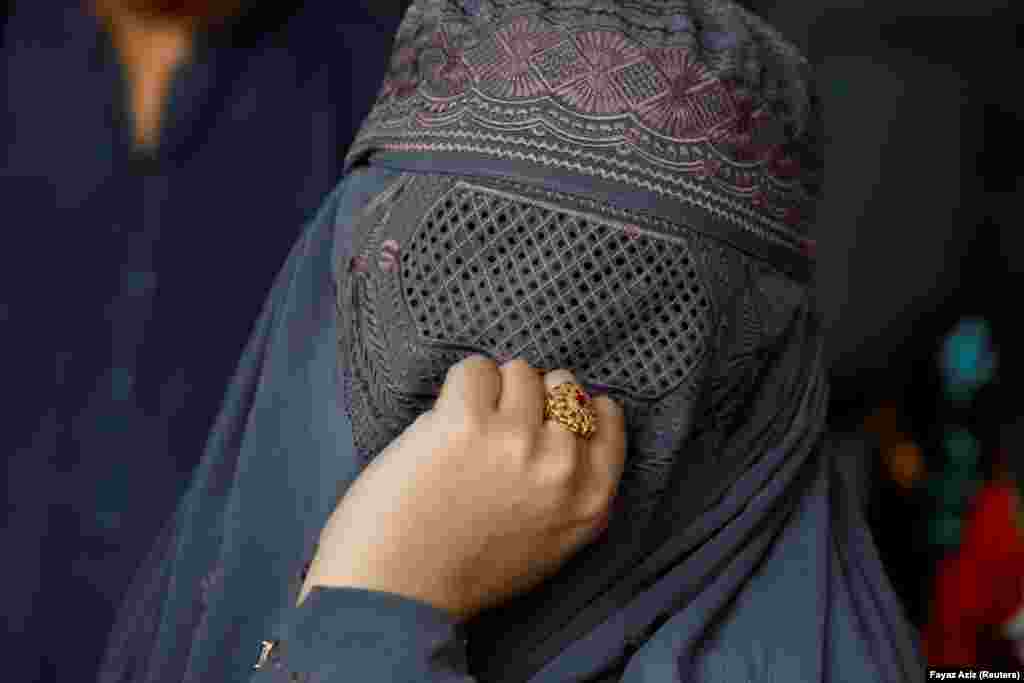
{"x": 427, "y": 595}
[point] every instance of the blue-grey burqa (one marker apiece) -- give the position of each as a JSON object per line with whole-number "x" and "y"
{"x": 623, "y": 188}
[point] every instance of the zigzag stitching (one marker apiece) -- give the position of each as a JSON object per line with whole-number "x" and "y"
{"x": 607, "y": 175}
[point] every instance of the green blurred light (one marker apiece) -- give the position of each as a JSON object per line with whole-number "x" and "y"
{"x": 949, "y": 491}
{"x": 963, "y": 449}
{"x": 944, "y": 530}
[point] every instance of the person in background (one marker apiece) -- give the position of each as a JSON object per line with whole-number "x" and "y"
{"x": 147, "y": 146}
{"x": 976, "y": 616}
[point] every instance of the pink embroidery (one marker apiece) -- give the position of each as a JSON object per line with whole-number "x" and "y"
{"x": 784, "y": 167}
{"x": 694, "y": 103}
{"x": 744, "y": 114}
{"x": 398, "y": 88}
{"x": 741, "y": 133}
{"x": 760, "y": 199}
{"x": 749, "y": 149}
{"x": 438, "y": 39}
{"x": 405, "y": 57}
{"x": 406, "y": 88}
{"x": 358, "y": 264}
{"x": 520, "y": 39}
{"x": 794, "y": 217}
{"x": 664, "y": 103}
{"x": 709, "y": 169}
{"x": 388, "y": 257}
{"x": 454, "y": 72}
{"x": 511, "y": 77}
{"x": 450, "y": 69}
{"x": 526, "y": 36}
{"x": 607, "y": 50}
{"x": 597, "y": 92}
{"x": 634, "y": 136}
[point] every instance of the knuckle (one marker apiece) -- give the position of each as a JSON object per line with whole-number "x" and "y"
{"x": 597, "y": 496}
{"x": 560, "y": 468}
{"x": 519, "y": 443}
{"x": 595, "y": 508}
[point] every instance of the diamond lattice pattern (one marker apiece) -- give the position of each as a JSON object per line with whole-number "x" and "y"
{"x": 516, "y": 278}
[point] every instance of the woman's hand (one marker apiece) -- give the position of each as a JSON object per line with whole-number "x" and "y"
{"x": 479, "y": 500}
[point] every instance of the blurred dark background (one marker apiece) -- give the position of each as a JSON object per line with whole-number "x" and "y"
{"x": 918, "y": 234}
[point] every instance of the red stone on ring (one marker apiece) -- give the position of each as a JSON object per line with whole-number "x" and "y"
{"x": 581, "y": 398}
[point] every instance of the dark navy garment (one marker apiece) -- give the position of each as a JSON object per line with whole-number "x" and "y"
{"x": 130, "y": 281}
{"x": 224, "y": 575}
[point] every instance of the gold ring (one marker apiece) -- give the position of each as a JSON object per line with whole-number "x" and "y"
{"x": 569, "y": 405}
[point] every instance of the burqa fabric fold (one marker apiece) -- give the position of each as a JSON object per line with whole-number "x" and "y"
{"x": 624, "y": 189}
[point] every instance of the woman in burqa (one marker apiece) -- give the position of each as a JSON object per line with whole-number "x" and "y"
{"x": 624, "y": 189}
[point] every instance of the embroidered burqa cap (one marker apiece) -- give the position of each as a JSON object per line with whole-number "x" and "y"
{"x": 698, "y": 112}
{"x": 627, "y": 189}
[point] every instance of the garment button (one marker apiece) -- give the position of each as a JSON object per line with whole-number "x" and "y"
{"x": 266, "y": 647}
